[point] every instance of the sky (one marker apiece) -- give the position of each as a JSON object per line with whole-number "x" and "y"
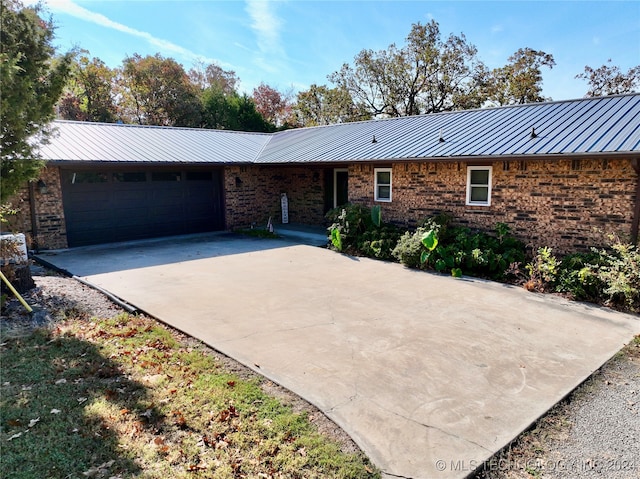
{"x": 292, "y": 44}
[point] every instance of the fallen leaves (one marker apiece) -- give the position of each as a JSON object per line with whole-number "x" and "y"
{"x": 99, "y": 470}
{"x": 228, "y": 414}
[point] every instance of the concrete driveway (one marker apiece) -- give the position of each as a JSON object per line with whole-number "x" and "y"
{"x": 430, "y": 375}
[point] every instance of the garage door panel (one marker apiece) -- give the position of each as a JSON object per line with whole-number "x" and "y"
{"x": 103, "y": 207}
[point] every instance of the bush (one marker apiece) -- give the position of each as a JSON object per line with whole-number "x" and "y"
{"x": 438, "y": 245}
{"x": 359, "y": 230}
{"x": 577, "y": 277}
{"x": 542, "y": 271}
{"x": 609, "y": 276}
{"x": 620, "y": 275}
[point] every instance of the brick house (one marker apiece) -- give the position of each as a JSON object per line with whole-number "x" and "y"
{"x": 561, "y": 174}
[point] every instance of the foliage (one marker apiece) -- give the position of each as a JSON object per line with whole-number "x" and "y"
{"x": 359, "y": 230}
{"x": 443, "y": 247}
{"x": 157, "y": 91}
{"x": 609, "y": 80}
{"x": 321, "y": 105}
{"x": 32, "y": 82}
{"x": 542, "y": 270}
{"x": 125, "y": 397}
{"x": 609, "y": 276}
{"x": 619, "y": 272}
{"x": 275, "y": 107}
{"x": 426, "y": 75}
{"x": 520, "y": 81}
{"x": 230, "y": 111}
{"x": 89, "y": 94}
{"x": 577, "y": 278}
{"x": 212, "y": 75}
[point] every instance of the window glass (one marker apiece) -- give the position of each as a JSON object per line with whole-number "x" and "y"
{"x": 479, "y": 177}
{"x": 130, "y": 177}
{"x": 88, "y": 177}
{"x": 384, "y": 177}
{"x": 166, "y": 176}
{"x": 384, "y": 192}
{"x": 199, "y": 176}
{"x": 479, "y": 194}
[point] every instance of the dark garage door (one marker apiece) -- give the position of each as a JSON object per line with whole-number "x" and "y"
{"x": 104, "y": 206}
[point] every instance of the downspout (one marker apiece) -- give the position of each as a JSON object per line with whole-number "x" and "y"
{"x": 635, "y": 162}
{"x": 34, "y": 219}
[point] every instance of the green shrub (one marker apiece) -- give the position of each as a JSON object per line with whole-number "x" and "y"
{"x": 359, "y": 230}
{"x": 577, "y": 276}
{"x": 609, "y": 276}
{"x": 438, "y": 245}
{"x": 620, "y": 275}
{"x": 542, "y": 270}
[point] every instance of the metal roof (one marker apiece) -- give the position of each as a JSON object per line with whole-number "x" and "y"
{"x": 102, "y": 142}
{"x": 587, "y": 126}
{"x": 590, "y": 126}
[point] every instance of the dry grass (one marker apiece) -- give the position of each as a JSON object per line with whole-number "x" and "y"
{"x": 127, "y": 397}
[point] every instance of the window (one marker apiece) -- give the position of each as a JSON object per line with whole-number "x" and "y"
{"x": 479, "y": 185}
{"x": 166, "y": 176}
{"x": 199, "y": 176}
{"x": 88, "y": 177}
{"x": 130, "y": 177}
{"x": 382, "y": 184}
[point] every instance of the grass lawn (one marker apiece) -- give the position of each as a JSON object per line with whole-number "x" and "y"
{"x": 126, "y": 397}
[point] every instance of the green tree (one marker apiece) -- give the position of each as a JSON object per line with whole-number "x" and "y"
{"x": 426, "y": 75}
{"x": 157, "y": 91}
{"x": 610, "y": 80}
{"x": 229, "y": 111}
{"x": 520, "y": 81}
{"x": 89, "y": 93}
{"x": 32, "y": 80}
{"x": 321, "y": 105}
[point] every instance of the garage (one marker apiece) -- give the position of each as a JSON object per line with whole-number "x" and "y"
{"x": 104, "y": 205}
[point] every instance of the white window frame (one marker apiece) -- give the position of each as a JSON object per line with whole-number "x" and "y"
{"x": 470, "y": 186}
{"x": 376, "y": 197}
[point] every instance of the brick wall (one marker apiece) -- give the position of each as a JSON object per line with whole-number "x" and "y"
{"x": 566, "y": 204}
{"x": 50, "y": 222}
{"x": 256, "y": 196}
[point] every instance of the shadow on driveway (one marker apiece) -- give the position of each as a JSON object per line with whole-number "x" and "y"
{"x": 109, "y": 258}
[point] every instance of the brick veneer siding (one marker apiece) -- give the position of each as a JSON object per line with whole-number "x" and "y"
{"x": 49, "y": 213}
{"x": 256, "y": 196}
{"x": 566, "y": 204}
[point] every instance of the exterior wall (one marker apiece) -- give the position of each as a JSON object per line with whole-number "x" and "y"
{"x": 566, "y": 204}
{"x": 49, "y": 213}
{"x": 252, "y": 194}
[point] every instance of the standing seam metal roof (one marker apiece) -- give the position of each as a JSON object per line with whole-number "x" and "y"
{"x": 575, "y": 127}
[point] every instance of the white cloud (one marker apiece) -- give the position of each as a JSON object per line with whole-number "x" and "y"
{"x": 266, "y": 25}
{"x": 70, "y": 8}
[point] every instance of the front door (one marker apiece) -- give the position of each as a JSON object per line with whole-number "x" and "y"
{"x": 340, "y": 187}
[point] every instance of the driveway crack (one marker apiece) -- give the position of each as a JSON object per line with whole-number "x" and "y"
{"x": 429, "y": 426}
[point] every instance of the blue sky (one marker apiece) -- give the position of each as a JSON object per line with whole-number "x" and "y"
{"x": 290, "y": 44}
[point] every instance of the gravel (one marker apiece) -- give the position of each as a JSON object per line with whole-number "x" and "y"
{"x": 594, "y": 433}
